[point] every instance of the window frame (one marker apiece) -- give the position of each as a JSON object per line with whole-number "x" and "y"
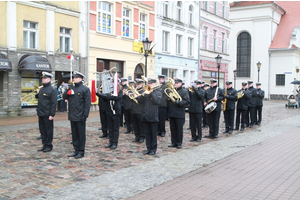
{"x": 100, "y": 13}
{"x": 191, "y": 15}
{"x": 223, "y": 42}
{"x": 280, "y": 79}
{"x": 215, "y": 40}
{"x": 142, "y": 36}
{"x": 205, "y": 37}
{"x": 179, "y": 11}
{"x": 64, "y": 35}
{"x": 124, "y": 23}
{"x": 224, "y": 9}
{"x": 215, "y": 7}
{"x": 29, "y": 30}
{"x": 166, "y": 9}
{"x": 179, "y": 44}
{"x": 190, "y": 46}
{"x": 165, "y": 42}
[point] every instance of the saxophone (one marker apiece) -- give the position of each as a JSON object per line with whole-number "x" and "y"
{"x": 173, "y": 94}
{"x": 225, "y": 100}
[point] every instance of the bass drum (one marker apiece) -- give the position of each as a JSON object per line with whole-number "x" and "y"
{"x": 210, "y": 107}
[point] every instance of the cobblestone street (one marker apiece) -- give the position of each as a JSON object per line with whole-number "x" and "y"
{"x": 115, "y": 174}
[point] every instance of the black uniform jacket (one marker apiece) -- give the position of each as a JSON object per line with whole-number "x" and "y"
{"x": 47, "y": 101}
{"x": 113, "y": 103}
{"x": 126, "y": 101}
{"x": 242, "y": 103}
{"x": 252, "y": 100}
{"x": 79, "y": 102}
{"x": 102, "y": 103}
{"x": 150, "y": 103}
{"x": 196, "y": 100}
{"x": 163, "y": 102}
{"x": 210, "y": 94}
{"x": 178, "y": 110}
{"x": 259, "y": 97}
{"x": 231, "y": 98}
{"x": 137, "y": 108}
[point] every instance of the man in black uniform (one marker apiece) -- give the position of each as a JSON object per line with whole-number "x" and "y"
{"x": 162, "y": 113}
{"x": 196, "y": 110}
{"x": 259, "y": 103}
{"x": 150, "y": 103}
{"x": 126, "y": 105}
{"x": 79, "y": 98}
{"x": 242, "y": 107}
{"x": 231, "y": 97}
{"x": 205, "y": 122}
{"x": 47, "y": 101}
{"x": 214, "y": 93}
{"x": 176, "y": 113}
{"x": 104, "y": 119}
{"x": 251, "y": 104}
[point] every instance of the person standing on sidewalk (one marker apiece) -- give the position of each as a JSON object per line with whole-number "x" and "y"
{"x": 104, "y": 118}
{"x": 259, "y": 104}
{"x": 79, "y": 98}
{"x": 231, "y": 96}
{"x": 242, "y": 107}
{"x": 47, "y": 101}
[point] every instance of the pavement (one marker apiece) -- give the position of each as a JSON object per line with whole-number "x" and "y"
{"x": 126, "y": 173}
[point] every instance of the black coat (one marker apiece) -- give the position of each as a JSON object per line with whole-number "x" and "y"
{"x": 242, "y": 103}
{"x": 126, "y": 101}
{"x": 252, "y": 100}
{"x": 210, "y": 94}
{"x": 163, "y": 102}
{"x": 114, "y": 103}
{"x": 259, "y": 97}
{"x": 79, "y": 102}
{"x": 102, "y": 103}
{"x": 137, "y": 108}
{"x": 150, "y": 103}
{"x": 196, "y": 100}
{"x": 231, "y": 98}
{"x": 47, "y": 101}
{"x": 178, "y": 110}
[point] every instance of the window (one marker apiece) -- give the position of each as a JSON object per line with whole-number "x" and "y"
{"x": 215, "y": 41}
{"x": 179, "y": 10}
{"x": 223, "y": 43}
{"x": 142, "y": 27}
{"x": 104, "y": 17}
{"x": 243, "y": 56}
{"x": 165, "y": 43}
{"x": 205, "y": 37}
{"x": 126, "y": 22}
{"x": 29, "y": 35}
{"x": 224, "y": 9}
{"x": 178, "y": 44}
{"x": 206, "y": 5}
{"x": 190, "y": 46}
{"x": 280, "y": 79}
{"x": 171, "y": 73}
{"x": 191, "y": 9}
{"x": 65, "y": 39}
{"x": 165, "y": 7}
{"x": 216, "y": 7}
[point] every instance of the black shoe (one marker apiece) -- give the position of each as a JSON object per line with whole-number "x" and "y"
{"x": 99, "y": 129}
{"x": 39, "y": 138}
{"x": 108, "y": 145}
{"x": 41, "y": 149}
{"x": 236, "y": 128}
{"x": 172, "y": 145}
{"x": 178, "y": 146}
{"x": 141, "y": 141}
{"x": 215, "y": 136}
{"x": 114, "y": 146}
{"x": 152, "y": 153}
{"x": 121, "y": 125}
{"x": 226, "y": 131}
{"x": 198, "y": 140}
{"x": 47, "y": 149}
{"x": 206, "y": 126}
{"x": 162, "y": 135}
{"x": 258, "y": 123}
{"x": 127, "y": 132}
{"x": 146, "y": 152}
{"x": 251, "y": 125}
{"x": 247, "y": 125}
{"x": 208, "y": 136}
{"x": 135, "y": 140}
{"x": 103, "y": 136}
{"x": 79, "y": 156}
{"x": 193, "y": 140}
{"x": 73, "y": 154}
{"x": 242, "y": 129}
{"x": 230, "y": 132}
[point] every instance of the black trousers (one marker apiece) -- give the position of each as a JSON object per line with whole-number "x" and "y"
{"x": 229, "y": 119}
{"x": 121, "y": 116}
{"x": 251, "y": 113}
{"x": 128, "y": 119}
{"x": 138, "y": 127}
{"x": 213, "y": 122}
{"x": 162, "y": 115}
{"x": 204, "y": 118}
{"x": 78, "y": 136}
{"x": 258, "y": 111}
{"x": 104, "y": 119}
{"x": 46, "y": 130}
{"x": 241, "y": 113}
{"x": 176, "y": 127}
{"x": 150, "y": 130}
{"x": 196, "y": 123}
{"x": 114, "y": 131}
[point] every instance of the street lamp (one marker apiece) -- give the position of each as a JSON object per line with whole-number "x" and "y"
{"x": 234, "y": 75}
{"x": 258, "y": 68}
{"x": 146, "y": 44}
{"x": 218, "y": 59}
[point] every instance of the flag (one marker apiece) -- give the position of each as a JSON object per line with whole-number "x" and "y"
{"x": 93, "y": 93}
{"x": 70, "y": 57}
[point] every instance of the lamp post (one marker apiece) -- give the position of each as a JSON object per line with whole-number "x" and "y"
{"x": 234, "y": 76}
{"x": 146, "y": 44}
{"x": 258, "y": 69}
{"x": 218, "y": 59}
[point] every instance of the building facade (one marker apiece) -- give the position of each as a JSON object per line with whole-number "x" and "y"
{"x": 214, "y": 37}
{"x": 36, "y": 37}
{"x": 176, "y": 50}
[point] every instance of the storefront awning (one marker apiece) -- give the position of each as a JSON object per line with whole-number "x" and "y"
{"x": 34, "y": 63}
{"x": 5, "y": 64}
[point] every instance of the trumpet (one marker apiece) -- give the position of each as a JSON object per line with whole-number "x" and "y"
{"x": 191, "y": 89}
{"x": 173, "y": 94}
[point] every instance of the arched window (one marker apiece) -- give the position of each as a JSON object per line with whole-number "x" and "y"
{"x": 191, "y": 10}
{"x": 179, "y": 10}
{"x": 138, "y": 71}
{"x": 243, "y": 55}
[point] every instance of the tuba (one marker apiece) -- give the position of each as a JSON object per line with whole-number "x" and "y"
{"x": 225, "y": 100}
{"x": 172, "y": 94}
{"x": 106, "y": 80}
{"x": 240, "y": 94}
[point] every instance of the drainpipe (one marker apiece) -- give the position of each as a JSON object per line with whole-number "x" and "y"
{"x": 199, "y": 40}
{"x": 272, "y": 22}
{"x": 88, "y": 41}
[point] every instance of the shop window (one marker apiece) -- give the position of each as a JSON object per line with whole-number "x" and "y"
{"x": 104, "y": 17}
{"x": 65, "y": 39}
{"x": 126, "y": 22}
{"x": 243, "y": 56}
{"x": 142, "y": 27}
{"x": 30, "y": 30}
{"x": 280, "y": 79}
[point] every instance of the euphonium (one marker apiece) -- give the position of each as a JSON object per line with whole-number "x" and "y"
{"x": 173, "y": 94}
{"x": 240, "y": 94}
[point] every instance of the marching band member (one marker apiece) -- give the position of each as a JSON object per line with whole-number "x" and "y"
{"x": 213, "y": 94}
{"x": 242, "y": 107}
{"x": 231, "y": 96}
{"x": 259, "y": 103}
{"x": 251, "y": 105}
{"x": 47, "y": 101}
{"x": 196, "y": 109}
{"x": 176, "y": 113}
{"x": 126, "y": 106}
{"x": 162, "y": 109}
{"x": 150, "y": 103}
{"x": 104, "y": 119}
{"x": 204, "y": 123}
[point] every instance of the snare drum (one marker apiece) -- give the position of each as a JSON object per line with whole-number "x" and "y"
{"x": 210, "y": 107}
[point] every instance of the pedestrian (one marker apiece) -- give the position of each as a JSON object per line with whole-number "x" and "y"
{"x": 47, "y": 101}
{"x": 61, "y": 91}
{"x": 298, "y": 95}
{"x": 230, "y": 95}
{"x": 79, "y": 98}
{"x": 243, "y": 96}
{"x": 251, "y": 105}
{"x": 259, "y": 104}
